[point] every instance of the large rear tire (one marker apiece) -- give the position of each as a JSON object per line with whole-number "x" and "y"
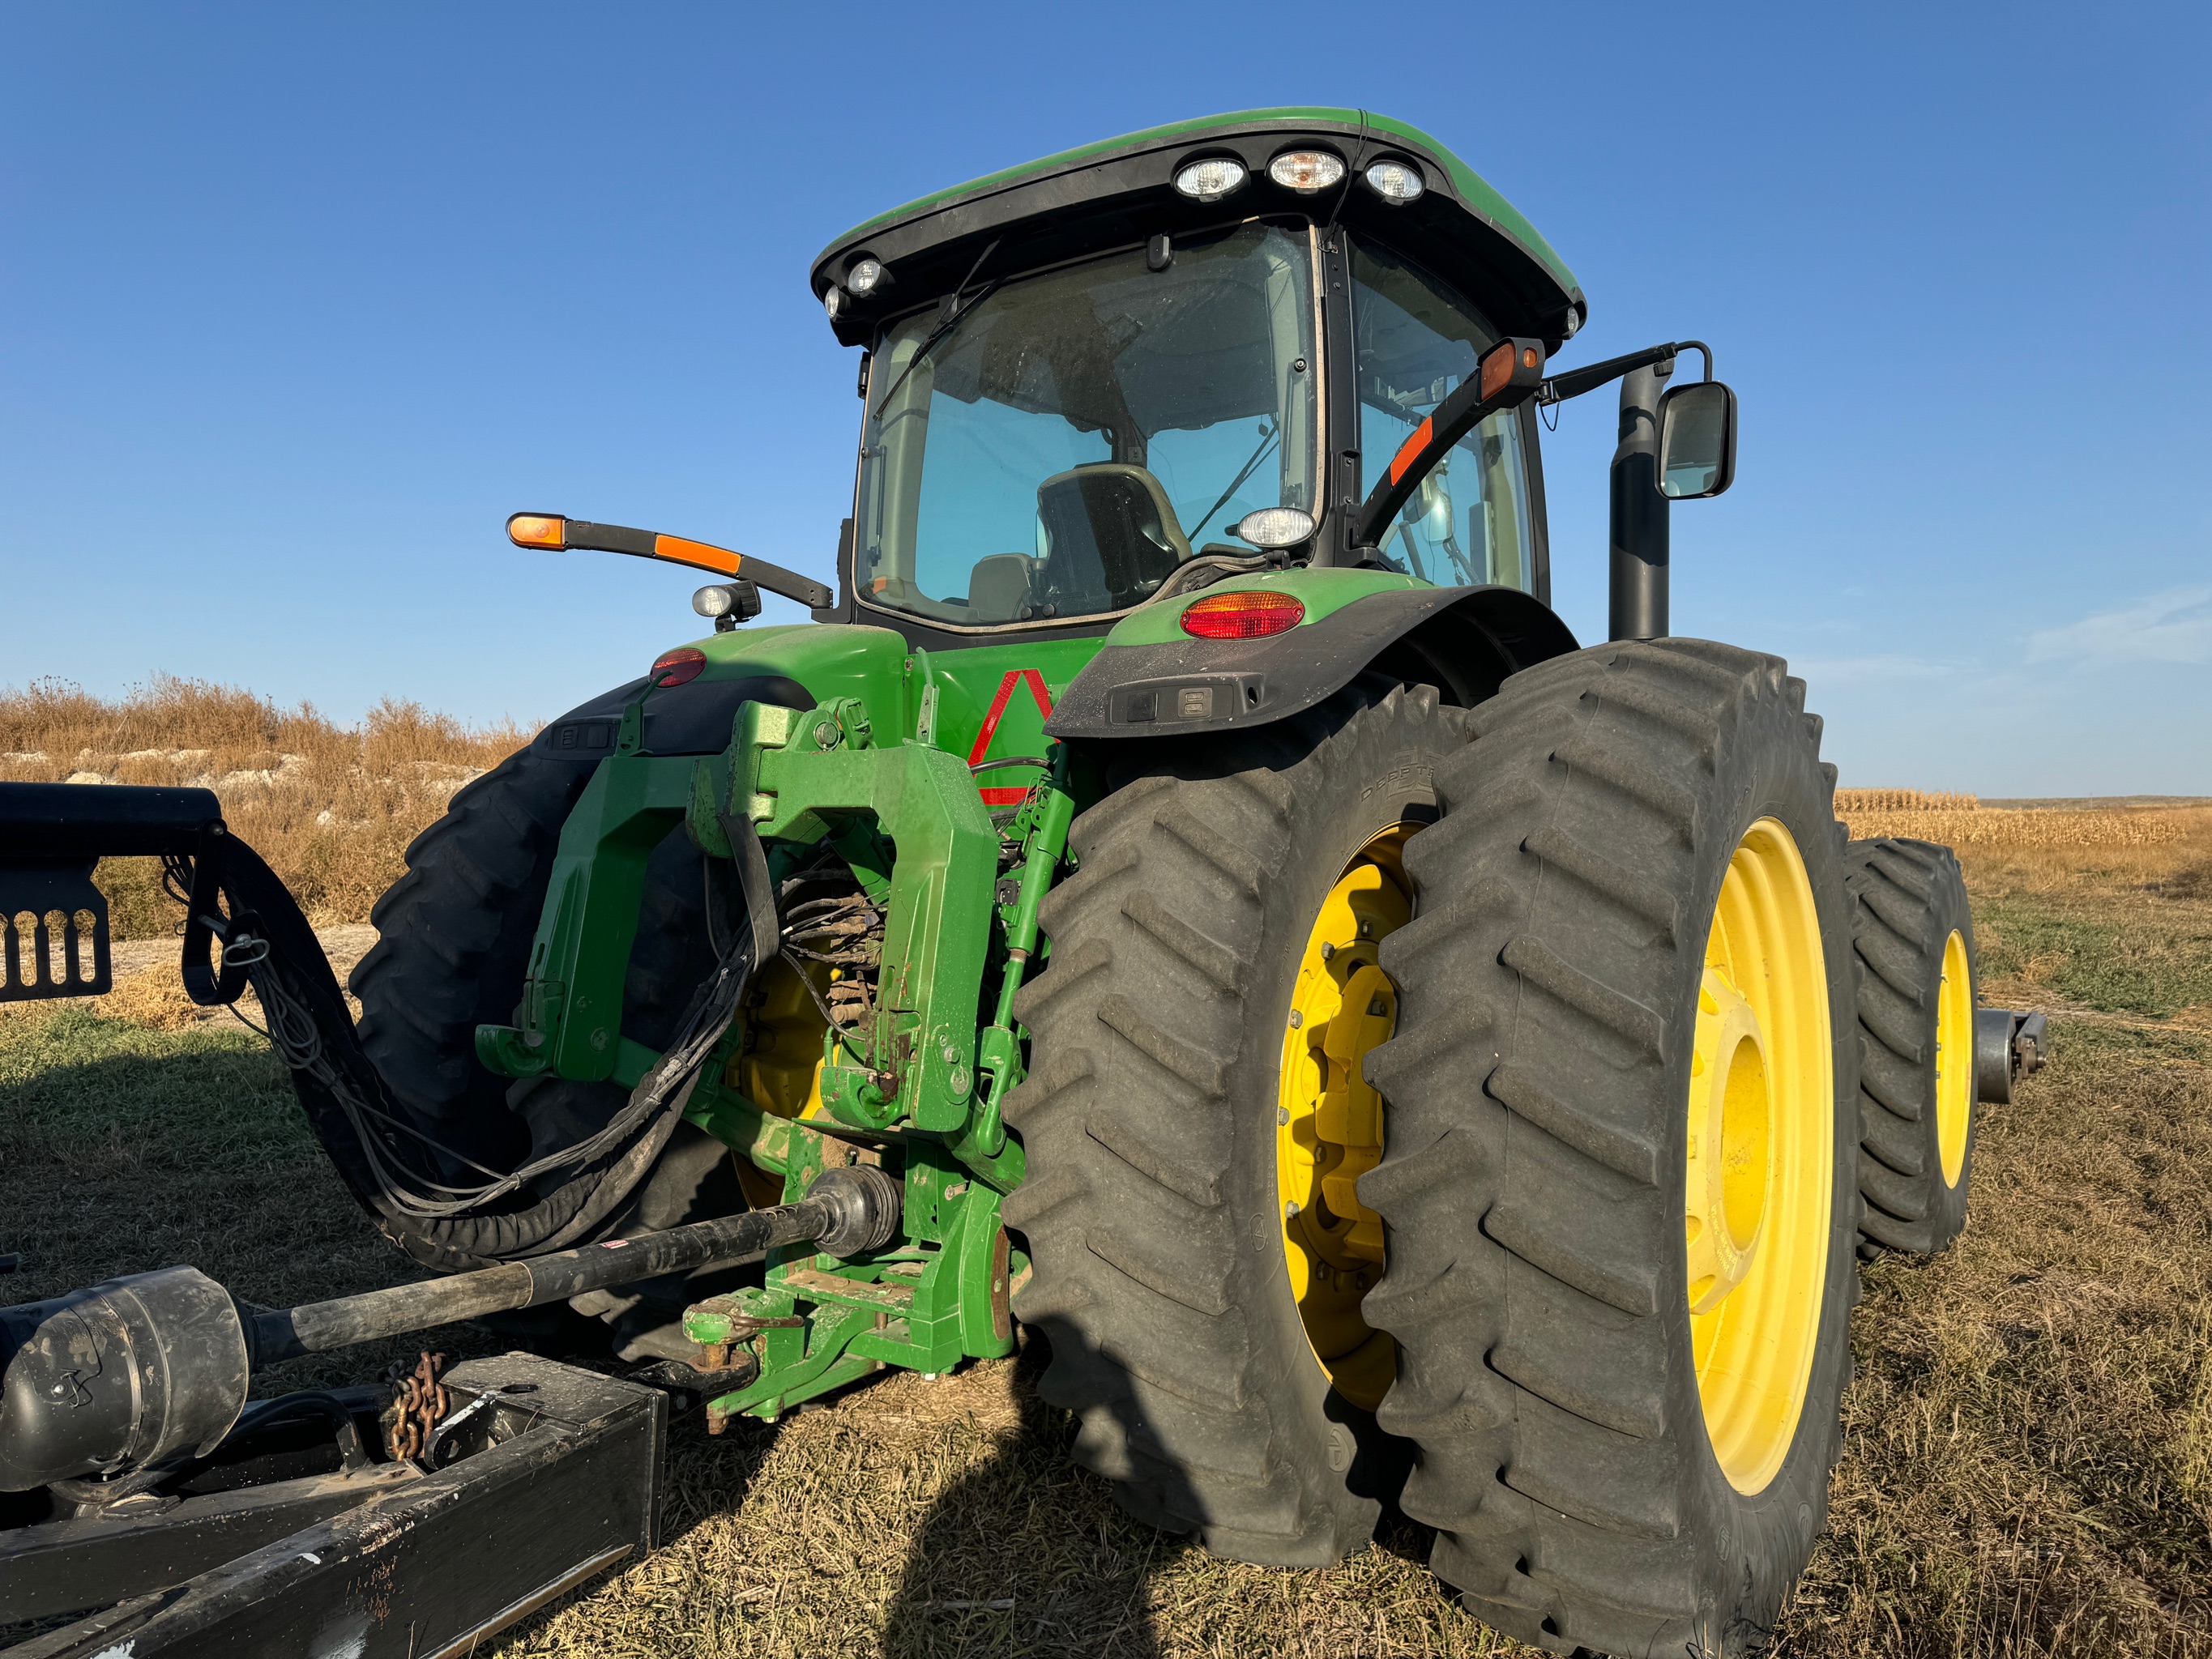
{"x": 1228, "y": 896}
{"x": 1914, "y": 934}
{"x": 1619, "y": 1183}
{"x": 453, "y": 937}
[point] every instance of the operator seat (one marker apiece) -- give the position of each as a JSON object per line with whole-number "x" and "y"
{"x": 1112, "y": 535}
{"x": 999, "y": 587}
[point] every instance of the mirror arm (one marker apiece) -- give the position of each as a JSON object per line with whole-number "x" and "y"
{"x": 1450, "y": 421}
{"x": 1575, "y": 381}
{"x": 583, "y": 535}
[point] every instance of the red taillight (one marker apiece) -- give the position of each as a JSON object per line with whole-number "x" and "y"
{"x": 674, "y": 667}
{"x": 1245, "y": 616}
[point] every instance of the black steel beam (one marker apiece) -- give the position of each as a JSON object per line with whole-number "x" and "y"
{"x": 555, "y": 1483}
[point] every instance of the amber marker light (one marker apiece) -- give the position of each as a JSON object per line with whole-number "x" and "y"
{"x": 1497, "y": 369}
{"x": 1252, "y": 614}
{"x": 547, "y": 530}
{"x": 1410, "y": 451}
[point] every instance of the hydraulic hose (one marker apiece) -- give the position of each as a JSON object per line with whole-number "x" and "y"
{"x": 361, "y": 1127}
{"x": 242, "y": 925}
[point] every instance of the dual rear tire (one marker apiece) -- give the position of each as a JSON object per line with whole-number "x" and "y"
{"x": 1620, "y": 1186}
{"x": 1617, "y": 1205}
{"x": 1913, "y": 933}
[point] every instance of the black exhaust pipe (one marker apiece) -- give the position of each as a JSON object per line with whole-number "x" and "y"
{"x": 1638, "y": 538}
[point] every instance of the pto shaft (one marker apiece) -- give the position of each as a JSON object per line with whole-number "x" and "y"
{"x": 848, "y": 1210}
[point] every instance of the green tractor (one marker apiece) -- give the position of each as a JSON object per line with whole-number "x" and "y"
{"x": 1188, "y": 880}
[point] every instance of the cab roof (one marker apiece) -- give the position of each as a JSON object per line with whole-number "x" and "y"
{"x": 1120, "y": 191}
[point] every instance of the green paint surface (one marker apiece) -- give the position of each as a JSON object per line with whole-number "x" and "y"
{"x": 1471, "y": 187}
{"x": 970, "y": 682}
{"x": 847, "y": 659}
{"x": 831, "y": 659}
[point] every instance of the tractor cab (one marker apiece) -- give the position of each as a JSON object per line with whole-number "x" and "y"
{"x": 1126, "y": 372}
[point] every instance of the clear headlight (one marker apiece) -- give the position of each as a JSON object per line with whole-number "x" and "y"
{"x": 1211, "y": 179}
{"x": 863, "y": 278}
{"x": 1395, "y": 182}
{"x": 1306, "y": 170}
{"x": 1274, "y": 526}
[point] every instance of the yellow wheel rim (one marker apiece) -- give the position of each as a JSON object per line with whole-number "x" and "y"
{"x": 1328, "y": 1123}
{"x": 778, "y": 1064}
{"x": 1760, "y": 1162}
{"x": 1955, "y": 1057}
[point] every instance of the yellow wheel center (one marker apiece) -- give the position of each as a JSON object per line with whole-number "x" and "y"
{"x": 1759, "y": 1165}
{"x": 1730, "y": 1145}
{"x": 1328, "y": 1123}
{"x": 1954, "y": 1058}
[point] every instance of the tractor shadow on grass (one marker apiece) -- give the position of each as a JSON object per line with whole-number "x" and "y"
{"x": 1023, "y": 1552}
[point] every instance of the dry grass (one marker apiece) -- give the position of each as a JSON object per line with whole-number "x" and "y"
{"x": 331, "y": 807}
{"x": 2029, "y": 1461}
{"x": 1852, "y": 802}
{"x": 149, "y": 992}
{"x": 2027, "y": 1467}
{"x": 2015, "y": 829}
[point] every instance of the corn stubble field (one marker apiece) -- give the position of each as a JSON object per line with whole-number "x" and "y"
{"x": 2028, "y": 1459}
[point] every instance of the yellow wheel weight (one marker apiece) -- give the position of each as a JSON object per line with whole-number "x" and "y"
{"x": 1954, "y": 1058}
{"x": 1328, "y": 1123}
{"x": 1760, "y": 1156}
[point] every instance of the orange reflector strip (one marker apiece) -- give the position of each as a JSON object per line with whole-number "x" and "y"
{"x": 1252, "y": 614}
{"x": 538, "y": 530}
{"x": 704, "y": 555}
{"x": 1410, "y": 451}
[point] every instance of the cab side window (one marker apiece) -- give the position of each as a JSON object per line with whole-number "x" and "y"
{"x": 1415, "y": 341}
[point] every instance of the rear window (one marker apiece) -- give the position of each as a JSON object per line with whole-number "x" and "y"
{"x": 1416, "y": 340}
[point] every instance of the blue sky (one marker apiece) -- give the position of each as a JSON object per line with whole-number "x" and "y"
{"x": 297, "y": 303}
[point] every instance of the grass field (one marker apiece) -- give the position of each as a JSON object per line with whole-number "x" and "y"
{"x": 331, "y": 807}
{"x": 2028, "y": 1463}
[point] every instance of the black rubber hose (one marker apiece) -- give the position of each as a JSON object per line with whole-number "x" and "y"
{"x": 250, "y": 884}
{"x": 560, "y": 1219}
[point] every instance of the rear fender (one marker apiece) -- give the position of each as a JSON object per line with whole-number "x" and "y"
{"x": 1463, "y": 641}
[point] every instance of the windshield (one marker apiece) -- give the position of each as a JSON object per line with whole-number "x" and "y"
{"x": 1076, "y": 436}
{"x": 1416, "y": 340}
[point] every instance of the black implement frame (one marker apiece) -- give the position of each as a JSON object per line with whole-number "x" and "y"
{"x": 555, "y": 1479}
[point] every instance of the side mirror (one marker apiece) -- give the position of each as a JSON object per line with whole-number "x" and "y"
{"x": 1697, "y": 441}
